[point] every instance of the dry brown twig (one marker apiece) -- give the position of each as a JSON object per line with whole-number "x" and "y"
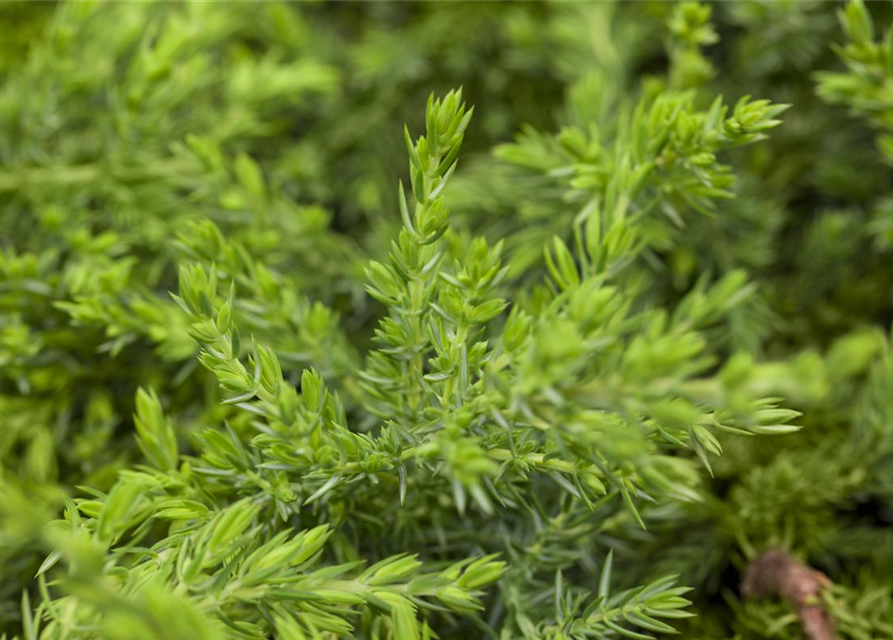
{"x": 775, "y": 572}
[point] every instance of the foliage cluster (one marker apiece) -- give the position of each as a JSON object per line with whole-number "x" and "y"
{"x": 276, "y": 366}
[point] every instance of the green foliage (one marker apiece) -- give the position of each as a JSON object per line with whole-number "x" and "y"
{"x": 549, "y": 387}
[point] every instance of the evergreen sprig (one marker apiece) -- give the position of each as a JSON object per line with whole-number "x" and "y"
{"x": 525, "y": 395}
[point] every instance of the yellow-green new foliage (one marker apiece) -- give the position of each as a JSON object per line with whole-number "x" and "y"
{"x": 276, "y": 365}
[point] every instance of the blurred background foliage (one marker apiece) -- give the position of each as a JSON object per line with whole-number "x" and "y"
{"x": 122, "y": 125}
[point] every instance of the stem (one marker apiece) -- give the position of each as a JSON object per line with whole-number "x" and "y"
{"x": 775, "y": 572}
{"x": 417, "y": 363}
